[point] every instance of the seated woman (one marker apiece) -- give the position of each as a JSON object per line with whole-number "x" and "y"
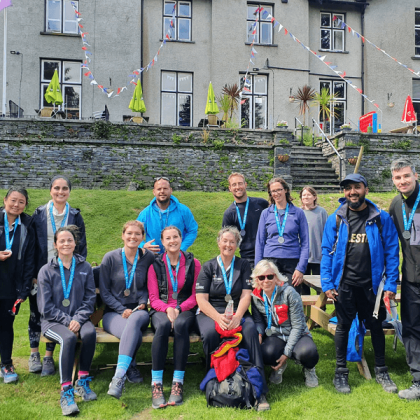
{"x": 278, "y": 314}
{"x": 123, "y": 288}
{"x": 171, "y": 283}
{"x": 66, "y": 297}
{"x": 221, "y": 280}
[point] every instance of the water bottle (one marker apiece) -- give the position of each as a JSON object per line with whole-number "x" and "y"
{"x": 229, "y": 310}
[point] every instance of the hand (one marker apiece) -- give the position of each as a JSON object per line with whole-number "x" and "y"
{"x": 74, "y": 326}
{"x": 281, "y": 362}
{"x": 331, "y": 294}
{"x": 142, "y": 306}
{"x": 154, "y": 248}
{"x": 234, "y": 323}
{"x": 172, "y": 314}
{"x": 297, "y": 278}
{"x": 260, "y": 338}
{"x": 127, "y": 313}
{"x": 222, "y": 321}
{"x": 34, "y": 281}
{"x": 4, "y": 255}
{"x": 390, "y": 295}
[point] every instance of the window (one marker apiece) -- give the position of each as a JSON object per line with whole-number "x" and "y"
{"x": 264, "y": 26}
{"x": 416, "y": 97}
{"x": 417, "y": 32}
{"x": 176, "y": 98}
{"x": 254, "y": 102}
{"x": 60, "y": 17}
{"x": 337, "y": 107}
{"x": 70, "y": 77}
{"x": 332, "y": 33}
{"x": 181, "y": 29}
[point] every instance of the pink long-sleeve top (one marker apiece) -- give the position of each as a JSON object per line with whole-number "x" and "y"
{"x": 152, "y": 284}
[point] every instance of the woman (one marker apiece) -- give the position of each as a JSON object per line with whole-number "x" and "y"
{"x": 222, "y": 279}
{"x": 278, "y": 314}
{"x": 283, "y": 234}
{"x": 47, "y": 218}
{"x": 17, "y": 244}
{"x": 66, "y": 298}
{"x": 123, "y": 287}
{"x": 171, "y": 283}
{"x": 316, "y": 217}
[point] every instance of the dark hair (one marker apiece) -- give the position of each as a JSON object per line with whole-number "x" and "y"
{"x": 73, "y": 229}
{"x": 60, "y": 177}
{"x": 285, "y": 185}
{"x": 170, "y": 228}
{"x": 312, "y": 191}
{"x": 20, "y": 190}
{"x": 136, "y": 223}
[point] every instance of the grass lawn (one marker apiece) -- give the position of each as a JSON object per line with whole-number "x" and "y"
{"x": 104, "y": 213}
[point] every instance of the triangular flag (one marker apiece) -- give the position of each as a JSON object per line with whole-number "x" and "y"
{"x": 280, "y": 27}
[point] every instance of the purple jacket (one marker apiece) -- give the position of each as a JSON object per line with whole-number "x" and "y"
{"x": 296, "y": 235}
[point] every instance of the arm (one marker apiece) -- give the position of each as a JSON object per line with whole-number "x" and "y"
{"x": 82, "y": 245}
{"x": 261, "y": 238}
{"x": 259, "y": 318}
{"x": 152, "y": 284}
{"x": 391, "y": 253}
{"x": 304, "y": 243}
{"x": 86, "y": 308}
{"x": 191, "y": 302}
{"x": 28, "y": 272}
{"x": 228, "y": 218}
{"x": 328, "y": 240}
{"x": 190, "y": 228}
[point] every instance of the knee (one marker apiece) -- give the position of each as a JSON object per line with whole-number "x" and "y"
{"x": 163, "y": 328}
{"x": 89, "y": 334}
{"x": 181, "y": 326}
{"x": 309, "y": 356}
{"x": 70, "y": 340}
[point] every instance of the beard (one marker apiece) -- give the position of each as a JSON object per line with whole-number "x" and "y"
{"x": 357, "y": 204}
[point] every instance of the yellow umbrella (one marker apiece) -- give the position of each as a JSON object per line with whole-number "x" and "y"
{"x": 53, "y": 93}
{"x": 211, "y": 106}
{"x": 137, "y": 103}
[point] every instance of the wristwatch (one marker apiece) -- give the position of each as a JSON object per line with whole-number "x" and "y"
{"x": 179, "y": 308}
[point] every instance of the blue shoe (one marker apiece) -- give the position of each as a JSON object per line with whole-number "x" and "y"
{"x": 82, "y": 389}
{"x": 8, "y": 374}
{"x": 68, "y": 405}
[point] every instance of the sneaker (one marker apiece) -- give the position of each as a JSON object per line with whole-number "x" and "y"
{"x": 276, "y": 376}
{"x": 8, "y": 374}
{"x": 382, "y": 377}
{"x": 133, "y": 375}
{"x": 48, "y": 366}
{"x": 116, "y": 387}
{"x": 82, "y": 388}
{"x": 262, "y": 404}
{"x": 34, "y": 363}
{"x": 341, "y": 380}
{"x": 68, "y": 405}
{"x": 158, "y": 399}
{"x": 176, "y": 394}
{"x": 311, "y": 380}
{"x": 412, "y": 393}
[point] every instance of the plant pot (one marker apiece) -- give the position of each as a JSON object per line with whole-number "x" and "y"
{"x": 284, "y": 127}
{"x": 346, "y": 129}
{"x": 291, "y": 99}
{"x": 212, "y": 118}
{"x": 352, "y": 161}
{"x": 283, "y": 158}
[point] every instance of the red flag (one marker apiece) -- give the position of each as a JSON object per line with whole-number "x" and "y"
{"x": 285, "y": 31}
{"x": 100, "y": 87}
{"x": 167, "y": 36}
{"x": 349, "y": 28}
{"x": 409, "y": 115}
{"x": 136, "y": 72}
{"x": 359, "y": 90}
{"x": 84, "y": 48}
{"x": 87, "y": 73}
{"x": 80, "y": 26}
{"x": 363, "y": 39}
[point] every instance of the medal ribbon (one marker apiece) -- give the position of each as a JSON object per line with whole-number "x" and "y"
{"x": 129, "y": 280}
{"x": 63, "y": 223}
{"x": 242, "y": 223}
{"x": 67, "y": 290}
{"x": 173, "y": 281}
{"x": 228, "y": 286}
{"x": 269, "y": 311}
{"x": 276, "y": 213}
{"x": 407, "y": 224}
{"x": 9, "y": 242}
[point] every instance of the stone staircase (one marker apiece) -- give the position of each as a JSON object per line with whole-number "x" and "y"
{"x": 310, "y": 167}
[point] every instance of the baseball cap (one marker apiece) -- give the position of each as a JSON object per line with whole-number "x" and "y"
{"x": 353, "y": 178}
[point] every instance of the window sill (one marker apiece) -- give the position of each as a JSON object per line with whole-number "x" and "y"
{"x": 335, "y": 52}
{"x": 262, "y": 45}
{"x": 178, "y": 41}
{"x": 416, "y": 57}
{"x": 59, "y": 34}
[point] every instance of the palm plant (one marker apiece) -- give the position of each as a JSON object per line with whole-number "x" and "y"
{"x": 232, "y": 91}
{"x": 224, "y": 102}
{"x": 304, "y": 96}
{"x": 324, "y": 100}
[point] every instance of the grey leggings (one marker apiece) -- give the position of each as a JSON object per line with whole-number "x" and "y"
{"x": 128, "y": 330}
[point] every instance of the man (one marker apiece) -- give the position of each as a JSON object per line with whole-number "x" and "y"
{"x": 165, "y": 210}
{"x": 244, "y": 213}
{"x": 405, "y": 212}
{"x": 359, "y": 245}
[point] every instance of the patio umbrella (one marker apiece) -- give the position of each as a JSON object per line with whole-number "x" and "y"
{"x": 211, "y": 106}
{"x": 137, "y": 102}
{"x": 409, "y": 115}
{"x": 53, "y": 93}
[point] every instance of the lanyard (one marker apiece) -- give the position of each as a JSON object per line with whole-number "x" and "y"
{"x": 63, "y": 223}
{"x": 281, "y": 229}
{"x": 67, "y": 290}
{"x": 242, "y": 222}
{"x": 173, "y": 281}
{"x": 228, "y": 286}
{"x": 269, "y": 311}
{"x": 129, "y": 280}
{"x": 166, "y": 212}
{"x": 407, "y": 225}
{"x": 9, "y": 242}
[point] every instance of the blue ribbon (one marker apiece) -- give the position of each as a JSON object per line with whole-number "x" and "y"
{"x": 63, "y": 223}
{"x": 228, "y": 286}
{"x": 9, "y": 242}
{"x": 286, "y": 213}
{"x": 67, "y": 290}
{"x": 407, "y": 225}
{"x": 242, "y": 223}
{"x": 173, "y": 281}
{"x": 129, "y": 280}
{"x": 269, "y": 311}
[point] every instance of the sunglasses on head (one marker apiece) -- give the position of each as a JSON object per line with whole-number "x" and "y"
{"x": 268, "y": 277}
{"x": 161, "y": 177}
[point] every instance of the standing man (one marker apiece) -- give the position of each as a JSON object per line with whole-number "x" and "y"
{"x": 359, "y": 245}
{"x": 165, "y": 210}
{"x": 405, "y": 212}
{"x": 244, "y": 213}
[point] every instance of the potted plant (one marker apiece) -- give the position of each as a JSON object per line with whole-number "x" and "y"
{"x": 324, "y": 100}
{"x": 304, "y": 95}
{"x": 346, "y": 127}
{"x": 283, "y": 158}
{"x": 352, "y": 160}
{"x": 282, "y": 124}
{"x": 224, "y": 102}
{"x": 232, "y": 91}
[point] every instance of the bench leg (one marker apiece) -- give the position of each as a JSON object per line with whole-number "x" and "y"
{"x": 364, "y": 368}
{"x": 76, "y": 361}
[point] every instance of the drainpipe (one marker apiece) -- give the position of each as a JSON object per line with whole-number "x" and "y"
{"x": 363, "y": 57}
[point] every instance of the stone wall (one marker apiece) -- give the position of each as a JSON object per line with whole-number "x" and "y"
{"x": 113, "y": 156}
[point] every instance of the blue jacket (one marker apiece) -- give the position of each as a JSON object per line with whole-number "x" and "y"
{"x": 384, "y": 251}
{"x": 179, "y": 215}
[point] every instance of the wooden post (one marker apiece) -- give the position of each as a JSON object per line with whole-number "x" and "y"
{"x": 359, "y": 159}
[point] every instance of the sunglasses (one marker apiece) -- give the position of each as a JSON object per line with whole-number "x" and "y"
{"x": 268, "y": 277}
{"x": 161, "y": 177}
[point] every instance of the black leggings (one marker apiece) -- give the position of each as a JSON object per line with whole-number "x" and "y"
{"x": 161, "y": 325}
{"x": 34, "y": 325}
{"x": 68, "y": 340}
{"x": 6, "y": 330}
{"x": 305, "y": 351}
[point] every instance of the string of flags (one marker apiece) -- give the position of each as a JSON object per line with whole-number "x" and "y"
{"x": 135, "y": 74}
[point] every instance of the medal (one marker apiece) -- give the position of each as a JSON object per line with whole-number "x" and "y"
{"x": 228, "y": 284}
{"x": 281, "y": 240}
{"x": 242, "y": 223}
{"x": 63, "y": 223}
{"x": 66, "y": 290}
{"x": 127, "y": 292}
{"x": 228, "y": 298}
{"x": 65, "y": 303}
{"x": 9, "y": 242}
{"x": 174, "y": 281}
{"x": 407, "y": 223}
{"x": 280, "y": 229}
{"x": 243, "y": 232}
{"x": 268, "y": 332}
{"x": 406, "y": 234}
{"x": 175, "y": 295}
{"x": 129, "y": 279}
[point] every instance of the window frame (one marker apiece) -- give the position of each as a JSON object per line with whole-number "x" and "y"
{"x": 333, "y": 31}
{"x": 261, "y": 22}
{"x": 416, "y": 28}
{"x": 252, "y": 96}
{"x": 62, "y": 20}
{"x": 342, "y": 101}
{"x": 178, "y": 17}
{"x": 416, "y": 101}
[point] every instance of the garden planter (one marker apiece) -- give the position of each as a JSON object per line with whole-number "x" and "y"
{"x": 212, "y": 119}
{"x": 283, "y": 158}
{"x": 352, "y": 161}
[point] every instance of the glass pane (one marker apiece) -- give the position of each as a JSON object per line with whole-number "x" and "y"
{"x": 184, "y": 111}
{"x": 417, "y": 41}
{"x": 72, "y": 72}
{"x": 325, "y": 85}
{"x": 417, "y": 109}
{"x": 260, "y": 116}
{"x": 184, "y": 29}
{"x": 250, "y": 29}
{"x": 417, "y": 17}
{"x": 339, "y": 89}
{"x": 54, "y": 9}
{"x": 53, "y": 26}
{"x": 417, "y": 51}
{"x": 260, "y": 84}
{"x": 339, "y": 117}
{"x": 43, "y": 101}
{"x": 251, "y": 10}
{"x": 325, "y": 19}
{"x": 266, "y": 33}
{"x": 72, "y": 97}
{"x": 268, "y": 9}
{"x": 169, "y": 7}
{"x": 169, "y": 81}
{"x": 416, "y": 89}
{"x": 335, "y": 22}
{"x": 184, "y": 82}
{"x": 167, "y": 28}
{"x": 70, "y": 27}
{"x": 184, "y": 9}
{"x": 48, "y": 68}
{"x": 245, "y": 113}
{"x": 69, "y": 11}
{"x": 248, "y": 86}
{"x": 168, "y": 116}
{"x": 338, "y": 40}
{"x": 325, "y": 39}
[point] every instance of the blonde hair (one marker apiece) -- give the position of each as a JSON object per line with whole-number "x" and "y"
{"x": 230, "y": 229}
{"x": 236, "y": 174}
{"x": 262, "y": 267}
{"x": 133, "y": 223}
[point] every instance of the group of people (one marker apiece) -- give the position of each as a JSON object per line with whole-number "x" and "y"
{"x": 153, "y": 279}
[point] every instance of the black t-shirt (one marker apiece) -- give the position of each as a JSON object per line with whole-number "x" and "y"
{"x": 358, "y": 266}
{"x": 210, "y": 280}
{"x": 8, "y": 267}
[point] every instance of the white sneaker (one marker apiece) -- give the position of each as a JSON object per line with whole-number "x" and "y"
{"x": 276, "y": 376}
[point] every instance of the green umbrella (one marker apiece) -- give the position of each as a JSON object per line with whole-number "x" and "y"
{"x": 211, "y": 106}
{"x": 53, "y": 93}
{"x": 137, "y": 102}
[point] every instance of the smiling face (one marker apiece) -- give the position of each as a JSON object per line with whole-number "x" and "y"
{"x": 60, "y": 191}
{"x": 267, "y": 285}
{"x": 308, "y": 199}
{"x": 227, "y": 245}
{"x": 405, "y": 180}
{"x": 162, "y": 191}
{"x": 355, "y": 193}
{"x": 65, "y": 244}
{"x": 237, "y": 186}
{"x": 15, "y": 203}
{"x": 132, "y": 236}
{"x": 171, "y": 240}
{"x": 278, "y": 192}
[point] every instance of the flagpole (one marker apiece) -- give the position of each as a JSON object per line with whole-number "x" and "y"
{"x": 4, "y": 62}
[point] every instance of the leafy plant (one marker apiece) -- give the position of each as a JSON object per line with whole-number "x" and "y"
{"x": 176, "y": 139}
{"x": 304, "y": 95}
{"x": 232, "y": 91}
{"x": 205, "y": 136}
{"x": 224, "y": 102}
{"x": 324, "y": 100}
